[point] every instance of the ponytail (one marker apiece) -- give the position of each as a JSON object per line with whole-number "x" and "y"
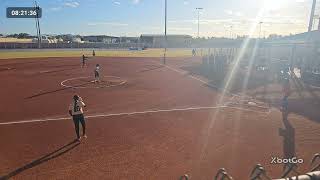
{"x": 75, "y": 106}
{"x": 75, "y": 99}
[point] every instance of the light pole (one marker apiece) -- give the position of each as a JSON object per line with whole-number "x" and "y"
{"x": 37, "y": 8}
{"x": 312, "y": 15}
{"x": 165, "y": 19}
{"x": 198, "y": 9}
{"x": 260, "y": 23}
{"x": 165, "y": 31}
{"x": 319, "y": 24}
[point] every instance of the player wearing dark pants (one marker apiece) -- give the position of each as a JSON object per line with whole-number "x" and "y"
{"x": 84, "y": 58}
{"x": 284, "y": 104}
{"x": 193, "y": 52}
{"x": 96, "y": 74}
{"x": 76, "y": 111}
{"x": 79, "y": 119}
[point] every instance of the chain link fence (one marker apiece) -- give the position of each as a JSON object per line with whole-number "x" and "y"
{"x": 13, "y": 45}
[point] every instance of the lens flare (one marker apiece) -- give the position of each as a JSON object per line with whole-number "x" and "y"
{"x": 274, "y": 4}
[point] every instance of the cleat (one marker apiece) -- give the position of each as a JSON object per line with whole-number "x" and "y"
{"x": 184, "y": 177}
{"x": 258, "y": 172}
{"x": 222, "y": 174}
{"x": 317, "y": 166}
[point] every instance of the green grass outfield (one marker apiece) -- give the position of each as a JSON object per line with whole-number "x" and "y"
{"x": 13, "y": 54}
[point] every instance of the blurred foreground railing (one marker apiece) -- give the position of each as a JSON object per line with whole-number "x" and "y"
{"x": 260, "y": 173}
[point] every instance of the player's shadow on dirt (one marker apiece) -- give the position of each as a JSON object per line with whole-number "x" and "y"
{"x": 57, "y": 90}
{"x": 62, "y": 150}
{"x": 54, "y": 71}
{"x": 40, "y": 60}
{"x": 288, "y": 134}
{"x": 17, "y": 65}
{"x": 150, "y": 68}
{"x": 22, "y": 63}
{"x": 3, "y": 69}
{"x": 65, "y": 65}
{"x": 289, "y": 146}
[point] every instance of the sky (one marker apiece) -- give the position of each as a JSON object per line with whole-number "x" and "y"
{"x": 219, "y": 18}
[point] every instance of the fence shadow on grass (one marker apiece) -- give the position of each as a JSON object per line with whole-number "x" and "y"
{"x": 52, "y": 155}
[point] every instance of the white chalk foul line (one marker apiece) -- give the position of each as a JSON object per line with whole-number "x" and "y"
{"x": 131, "y": 113}
{"x": 113, "y": 114}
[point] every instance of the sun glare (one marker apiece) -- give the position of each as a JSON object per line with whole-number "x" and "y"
{"x": 274, "y": 4}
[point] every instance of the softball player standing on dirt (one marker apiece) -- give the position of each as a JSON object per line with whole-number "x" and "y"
{"x": 84, "y": 58}
{"x": 76, "y": 111}
{"x": 97, "y": 73}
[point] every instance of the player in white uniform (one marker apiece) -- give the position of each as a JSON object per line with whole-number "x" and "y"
{"x": 76, "y": 111}
{"x": 97, "y": 73}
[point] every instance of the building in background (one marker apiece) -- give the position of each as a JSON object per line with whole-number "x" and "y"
{"x": 46, "y": 39}
{"x": 306, "y": 37}
{"x": 101, "y": 39}
{"x": 157, "y": 41}
{"x": 129, "y": 39}
{"x": 76, "y": 40}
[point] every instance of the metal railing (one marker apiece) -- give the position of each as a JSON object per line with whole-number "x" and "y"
{"x": 260, "y": 173}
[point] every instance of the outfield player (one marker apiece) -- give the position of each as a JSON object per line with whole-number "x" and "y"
{"x": 93, "y": 53}
{"x": 84, "y": 58}
{"x": 97, "y": 73}
{"x": 193, "y": 52}
{"x": 76, "y": 111}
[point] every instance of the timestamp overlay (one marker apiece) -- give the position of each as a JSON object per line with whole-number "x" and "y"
{"x": 24, "y": 12}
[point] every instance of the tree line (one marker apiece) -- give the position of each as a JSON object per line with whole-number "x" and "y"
{"x": 19, "y": 36}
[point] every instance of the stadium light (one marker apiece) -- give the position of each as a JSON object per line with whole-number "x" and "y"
{"x": 165, "y": 19}
{"x": 165, "y": 31}
{"x": 38, "y": 24}
{"x": 312, "y": 15}
{"x": 260, "y": 29}
{"x": 199, "y": 9}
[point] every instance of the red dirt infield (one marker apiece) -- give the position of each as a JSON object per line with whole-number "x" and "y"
{"x": 162, "y": 123}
